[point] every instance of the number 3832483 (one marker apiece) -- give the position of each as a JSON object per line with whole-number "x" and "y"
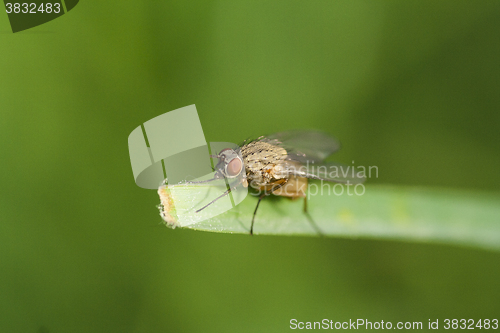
{"x": 32, "y": 8}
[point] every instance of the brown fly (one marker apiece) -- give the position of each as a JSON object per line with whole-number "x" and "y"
{"x": 281, "y": 164}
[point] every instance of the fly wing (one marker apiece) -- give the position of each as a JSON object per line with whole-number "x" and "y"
{"x": 305, "y": 145}
{"x": 307, "y": 150}
{"x": 328, "y": 171}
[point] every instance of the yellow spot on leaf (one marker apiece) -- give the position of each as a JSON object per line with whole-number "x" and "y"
{"x": 345, "y": 216}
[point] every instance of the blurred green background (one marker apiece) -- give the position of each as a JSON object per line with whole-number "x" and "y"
{"x": 411, "y": 87}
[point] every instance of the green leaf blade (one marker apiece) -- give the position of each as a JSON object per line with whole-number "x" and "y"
{"x": 382, "y": 212}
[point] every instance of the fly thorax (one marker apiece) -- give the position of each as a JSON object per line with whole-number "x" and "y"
{"x": 260, "y": 159}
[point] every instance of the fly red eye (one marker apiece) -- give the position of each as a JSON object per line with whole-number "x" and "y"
{"x": 233, "y": 168}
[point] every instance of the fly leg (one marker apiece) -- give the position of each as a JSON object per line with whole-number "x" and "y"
{"x": 310, "y": 219}
{"x": 255, "y": 212}
{"x": 220, "y": 196}
{"x": 265, "y": 194}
